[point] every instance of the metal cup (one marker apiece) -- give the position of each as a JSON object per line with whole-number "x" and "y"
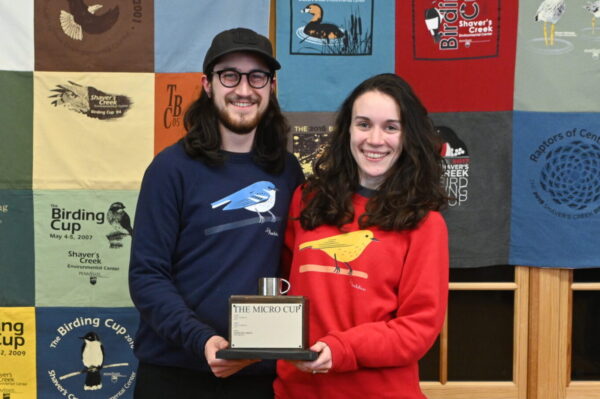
{"x": 272, "y": 286}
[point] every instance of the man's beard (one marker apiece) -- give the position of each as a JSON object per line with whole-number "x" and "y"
{"x": 236, "y": 125}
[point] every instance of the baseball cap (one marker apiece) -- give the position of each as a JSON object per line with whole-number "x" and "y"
{"x": 239, "y": 39}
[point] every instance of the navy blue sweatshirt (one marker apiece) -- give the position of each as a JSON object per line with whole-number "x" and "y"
{"x": 202, "y": 234}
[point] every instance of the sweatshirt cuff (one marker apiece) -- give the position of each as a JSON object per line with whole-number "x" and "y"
{"x": 342, "y": 357}
{"x": 202, "y": 343}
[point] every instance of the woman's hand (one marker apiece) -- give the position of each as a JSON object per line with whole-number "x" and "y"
{"x": 321, "y": 365}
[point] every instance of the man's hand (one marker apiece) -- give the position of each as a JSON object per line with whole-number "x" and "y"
{"x": 223, "y": 368}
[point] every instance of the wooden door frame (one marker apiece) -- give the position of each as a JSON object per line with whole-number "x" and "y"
{"x": 515, "y": 389}
{"x": 543, "y": 314}
{"x": 551, "y": 316}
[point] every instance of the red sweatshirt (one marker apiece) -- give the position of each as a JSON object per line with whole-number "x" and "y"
{"x": 378, "y": 320}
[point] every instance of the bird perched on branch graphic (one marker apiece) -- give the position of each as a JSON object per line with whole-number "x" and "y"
{"x": 342, "y": 247}
{"x": 92, "y": 356}
{"x": 82, "y": 18}
{"x": 118, "y": 218}
{"x": 258, "y": 197}
{"x": 120, "y": 222}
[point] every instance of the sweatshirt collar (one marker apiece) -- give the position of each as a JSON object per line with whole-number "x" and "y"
{"x": 237, "y": 157}
{"x": 365, "y": 192}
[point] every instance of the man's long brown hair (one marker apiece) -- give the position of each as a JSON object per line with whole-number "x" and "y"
{"x": 203, "y": 140}
{"x": 412, "y": 186}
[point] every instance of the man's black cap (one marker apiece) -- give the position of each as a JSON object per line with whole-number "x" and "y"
{"x": 239, "y": 39}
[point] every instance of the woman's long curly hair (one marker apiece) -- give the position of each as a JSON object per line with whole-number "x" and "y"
{"x": 412, "y": 186}
{"x": 203, "y": 140}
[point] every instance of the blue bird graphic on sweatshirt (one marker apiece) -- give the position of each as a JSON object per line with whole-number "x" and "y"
{"x": 258, "y": 197}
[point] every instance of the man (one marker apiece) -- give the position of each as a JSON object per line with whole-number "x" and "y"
{"x": 209, "y": 223}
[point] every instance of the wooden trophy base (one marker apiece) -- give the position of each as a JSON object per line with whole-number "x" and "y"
{"x": 265, "y": 353}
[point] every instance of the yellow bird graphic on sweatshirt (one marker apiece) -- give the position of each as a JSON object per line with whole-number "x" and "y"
{"x": 342, "y": 247}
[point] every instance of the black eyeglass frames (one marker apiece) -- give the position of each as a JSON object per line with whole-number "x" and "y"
{"x": 257, "y": 79}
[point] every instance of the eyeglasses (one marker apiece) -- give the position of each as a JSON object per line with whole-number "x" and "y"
{"x": 257, "y": 79}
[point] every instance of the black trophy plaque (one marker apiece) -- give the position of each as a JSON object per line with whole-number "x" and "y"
{"x": 268, "y": 327}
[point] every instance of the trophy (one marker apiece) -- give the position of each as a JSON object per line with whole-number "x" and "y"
{"x": 268, "y": 325}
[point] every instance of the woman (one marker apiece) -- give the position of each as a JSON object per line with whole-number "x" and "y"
{"x": 370, "y": 250}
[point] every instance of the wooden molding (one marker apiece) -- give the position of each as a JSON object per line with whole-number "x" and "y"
{"x": 508, "y": 286}
{"x": 521, "y": 331}
{"x": 475, "y": 390}
{"x": 583, "y": 390}
{"x": 549, "y": 324}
